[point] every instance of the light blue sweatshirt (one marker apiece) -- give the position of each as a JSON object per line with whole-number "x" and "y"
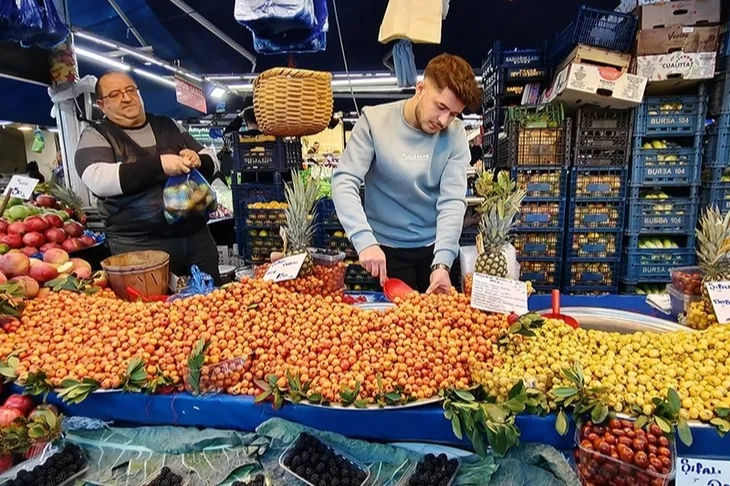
{"x": 415, "y": 184}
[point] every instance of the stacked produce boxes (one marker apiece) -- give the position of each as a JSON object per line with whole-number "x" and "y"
{"x": 597, "y": 201}
{"x": 538, "y": 159}
{"x": 260, "y": 166}
{"x": 664, "y": 187}
{"x": 716, "y": 174}
{"x": 509, "y": 77}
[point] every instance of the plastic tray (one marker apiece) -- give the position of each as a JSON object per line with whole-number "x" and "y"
{"x": 650, "y": 167}
{"x": 413, "y": 467}
{"x": 251, "y": 192}
{"x": 354, "y": 462}
{"x": 213, "y": 377}
{"x": 679, "y": 116}
{"x": 266, "y": 153}
{"x": 176, "y": 471}
{"x": 324, "y": 259}
{"x": 716, "y": 193}
{"x": 693, "y": 287}
{"x": 262, "y": 217}
{"x": 535, "y": 147}
{"x": 662, "y": 216}
{"x": 499, "y": 57}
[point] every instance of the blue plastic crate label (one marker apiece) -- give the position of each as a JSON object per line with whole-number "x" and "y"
{"x": 664, "y": 221}
{"x": 526, "y": 73}
{"x": 535, "y": 248}
{"x": 591, "y": 277}
{"x": 667, "y": 171}
{"x": 595, "y": 218}
{"x": 502, "y": 295}
{"x": 285, "y": 269}
{"x": 536, "y": 218}
{"x": 719, "y": 293}
{"x": 518, "y": 59}
{"x": 669, "y": 120}
{"x": 655, "y": 270}
{"x": 598, "y": 187}
{"x": 534, "y": 276}
{"x": 539, "y": 187}
{"x": 593, "y": 247}
{"x": 702, "y": 472}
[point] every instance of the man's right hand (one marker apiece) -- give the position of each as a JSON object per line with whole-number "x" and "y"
{"x": 372, "y": 259}
{"x": 174, "y": 165}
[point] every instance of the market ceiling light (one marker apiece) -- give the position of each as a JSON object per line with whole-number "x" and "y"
{"x": 25, "y": 128}
{"x": 5, "y": 123}
{"x": 217, "y": 92}
{"x": 154, "y": 77}
{"x": 93, "y": 56}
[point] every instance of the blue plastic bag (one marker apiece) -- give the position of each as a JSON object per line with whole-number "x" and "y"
{"x": 270, "y": 17}
{"x": 53, "y": 30}
{"x": 312, "y": 39}
{"x": 188, "y": 196}
{"x": 200, "y": 283}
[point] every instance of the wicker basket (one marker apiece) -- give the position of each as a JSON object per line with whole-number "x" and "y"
{"x": 145, "y": 271}
{"x": 293, "y": 102}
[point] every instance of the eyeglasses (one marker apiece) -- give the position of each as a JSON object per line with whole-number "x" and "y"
{"x": 131, "y": 91}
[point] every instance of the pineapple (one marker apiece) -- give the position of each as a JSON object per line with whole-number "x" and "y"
{"x": 499, "y": 209}
{"x": 301, "y": 196}
{"x": 713, "y": 249}
{"x": 71, "y": 200}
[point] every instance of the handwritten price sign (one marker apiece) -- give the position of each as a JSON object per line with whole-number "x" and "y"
{"x": 286, "y": 268}
{"x": 21, "y": 187}
{"x": 702, "y": 472}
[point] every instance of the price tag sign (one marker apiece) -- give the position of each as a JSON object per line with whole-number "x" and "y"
{"x": 719, "y": 293}
{"x": 285, "y": 269}
{"x": 700, "y": 472}
{"x": 21, "y": 187}
{"x": 502, "y": 295}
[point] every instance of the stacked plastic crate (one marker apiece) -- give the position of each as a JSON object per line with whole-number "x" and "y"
{"x": 664, "y": 189}
{"x": 597, "y": 201}
{"x": 260, "y": 166}
{"x": 538, "y": 158}
{"x": 509, "y": 77}
{"x": 716, "y": 174}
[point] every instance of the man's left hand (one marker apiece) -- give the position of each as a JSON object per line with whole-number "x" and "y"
{"x": 440, "y": 282}
{"x": 191, "y": 157}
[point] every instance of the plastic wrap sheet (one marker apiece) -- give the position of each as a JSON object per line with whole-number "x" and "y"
{"x": 270, "y": 17}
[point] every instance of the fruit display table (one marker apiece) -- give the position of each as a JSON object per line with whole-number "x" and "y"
{"x": 419, "y": 424}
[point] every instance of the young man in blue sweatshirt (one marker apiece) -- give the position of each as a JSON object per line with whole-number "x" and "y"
{"x": 412, "y": 157}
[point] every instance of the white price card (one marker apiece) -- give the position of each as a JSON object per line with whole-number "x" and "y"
{"x": 502, "y": 295}
{"x": 21, "y": 187}
{"x": 719, "y": 293}
{"x": 285, "y": 269}
{"x": 701, "y": 472}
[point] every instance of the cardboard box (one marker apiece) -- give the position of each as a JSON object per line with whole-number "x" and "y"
{"x": 587, "y": 85}
{"x": 677, "y": 38}
{"x": 677, "y": 66}
{"x": 628, "y": 6}
{"x": 585, "y": 54}
{"x": 688, "y": 13}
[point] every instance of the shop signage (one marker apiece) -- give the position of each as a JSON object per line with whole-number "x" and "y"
{"x": 190, "y": 95}
{"x": 502, "y": 295}
{"x": 286, "y": 268}
{"x": 701, "y": 472}
{"x": 719, "y": 293}
{"x": 21, "y": 187}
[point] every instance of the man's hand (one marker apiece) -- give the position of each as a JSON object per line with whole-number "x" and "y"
{"x": 440, "y": 282}
{"x": 191, "y": 158}
{"x": 173, "y": 165}
{"x": 372, "y": 259}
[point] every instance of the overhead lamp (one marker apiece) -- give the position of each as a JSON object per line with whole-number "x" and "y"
{"x": 5, "y": 123}
{"x": 154, "y": 77}
{"x": 218, "y": 92}
{"x": 93, "y": 56}
{"x": 25, "y": 128}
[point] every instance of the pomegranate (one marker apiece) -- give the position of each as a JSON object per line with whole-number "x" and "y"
{"x": 46, "y": 201}
{"x": 72, "y": 245}
{"x": 55, "y": 235}
{"x": 29, "y": 251}
{"x": 53, "y": 220}
{"x": 34, "y": 239}
{"x": 35, "y": 223}
{"x": 17, "y": 228}
{"x": 73, "y": 229}
{"x": 4, "y": 226}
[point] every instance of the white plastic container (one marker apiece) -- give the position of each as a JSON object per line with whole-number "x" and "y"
{"x": 680, "y": 301}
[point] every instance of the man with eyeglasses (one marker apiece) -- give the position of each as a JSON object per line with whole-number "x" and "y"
{"x": 125, "y": 160}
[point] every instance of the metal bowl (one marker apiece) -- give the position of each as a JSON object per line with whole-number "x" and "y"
{"x": 611, "y": 320}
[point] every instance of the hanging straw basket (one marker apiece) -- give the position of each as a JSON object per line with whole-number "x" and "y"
{"x": 145, "y": 271}
{"x": 293, "y": 102}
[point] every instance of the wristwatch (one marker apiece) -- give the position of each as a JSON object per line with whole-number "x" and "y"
{"x": 439, "y": 266}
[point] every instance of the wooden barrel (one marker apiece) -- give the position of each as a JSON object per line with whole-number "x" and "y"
{"x": 146, "y": 271}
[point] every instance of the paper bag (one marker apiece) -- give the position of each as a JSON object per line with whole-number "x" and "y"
{"x": 416, "y": 20}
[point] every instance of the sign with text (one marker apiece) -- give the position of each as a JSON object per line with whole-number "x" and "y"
{"x": 190, "y": 95}
{"x": 502, "y": 295}
{"x": 21, "y": 187}
{"x": 285, "y": 269}
{"x": 701, "y": 472}
{"x": 719, "y": 293}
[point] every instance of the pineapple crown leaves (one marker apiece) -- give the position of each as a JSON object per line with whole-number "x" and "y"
{"x": 134, "y": 379}
{"x": 713, "y": 236}
{"x": 44, "y": 426}
{"x": 8, "y": 368}
{"x": 37, "y": 383}
{"x": 196, "y": 360}
{"x": 14, "y": 438}
{"x": 67, "y": 197}
{"x": 301, "y": 195}
{"x": 75, "y": 391}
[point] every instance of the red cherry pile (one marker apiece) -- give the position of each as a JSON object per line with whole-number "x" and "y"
{"x": 618, "y": 454}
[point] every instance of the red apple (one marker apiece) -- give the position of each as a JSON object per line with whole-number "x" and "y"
{"x": 3, "y": 279}
{"x": 12, "y": 240}
{"x": 49, "y": 246}
{"x": 23, "y": 403}
{"x": 53, "y": 220}
{"x": 87, "y": 240}
{"x": 8, "y": 416}
{"x": 100, "y": 279}
{"x": 35, "y": 223}
{"x": 73, "y": 229}
{"x": 72, "y": 245}
{"x": 46, "y": 201}
{"x": 29, "y": 251}
{"x": 4, "y": 225}
{"x": 34, "y": 239}
{"x": 14, "y": 264}
{"x": 17, "y": 228}
{"x": 29, "y": 284}
{"x": 43, "y": 272}
{"x": 55, "y": 235}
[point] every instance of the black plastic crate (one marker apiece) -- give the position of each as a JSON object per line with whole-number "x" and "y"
{"x": 537, "y": 147}
{"x": 509, "y": 84}
{"x": 608, "y": 130}
{"x": 336, "y": 240}
{"x": 718, "y": 95}
{"x": 267, "y": 153}
{"x": 469, "y": 236}
{"x": 597, "y": 157}
{"x": 356, "y": 274}
{"x": 499, "y": 57}
{"x": 252, "y": 192}
{"x": 263, "y": 215}
{"x": 595, "y": 27}
{"x": 598, "y": 184}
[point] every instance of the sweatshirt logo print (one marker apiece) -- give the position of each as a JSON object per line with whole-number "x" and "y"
{"x": 422, "y": 157}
